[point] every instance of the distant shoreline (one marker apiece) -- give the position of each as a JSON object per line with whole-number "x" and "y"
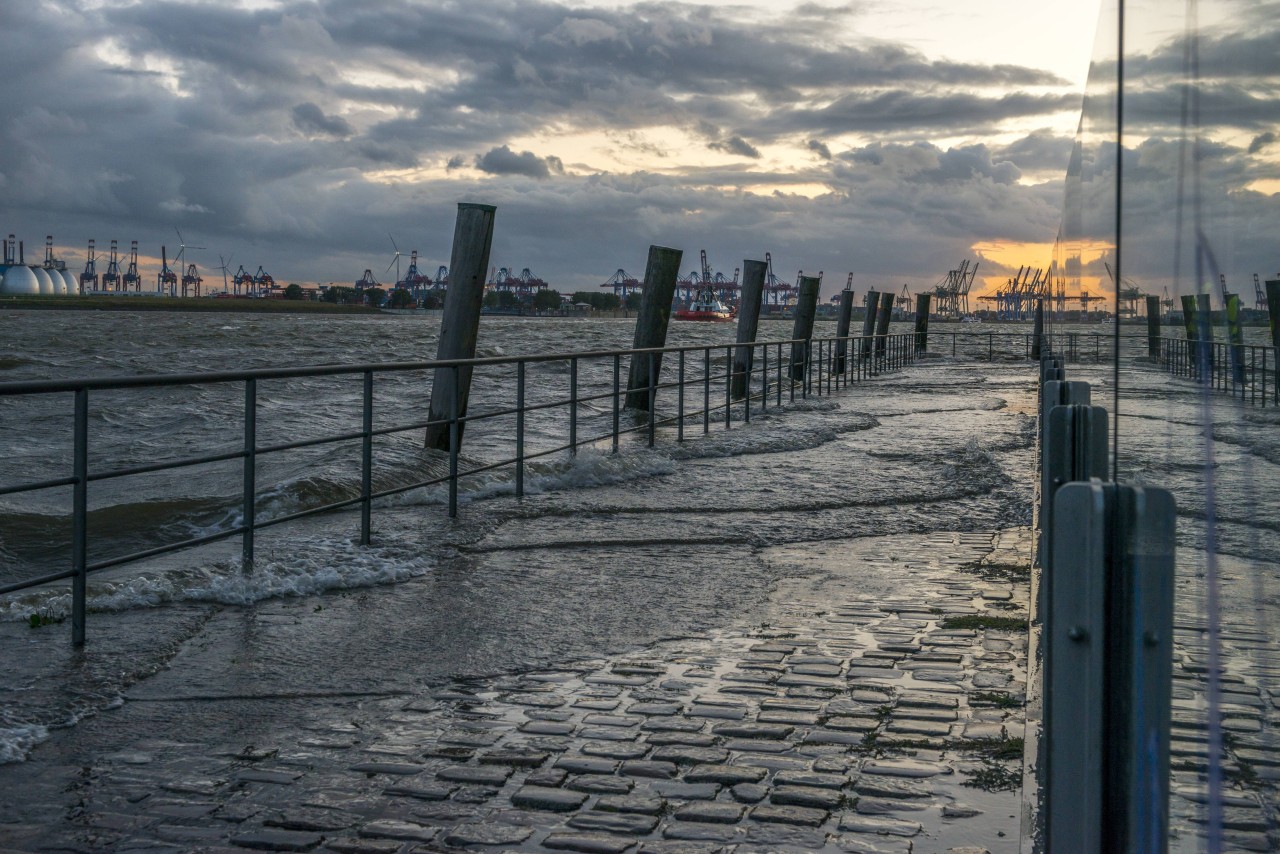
{"x": 233, "y": 306}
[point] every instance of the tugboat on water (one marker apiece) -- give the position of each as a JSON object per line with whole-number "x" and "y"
{"x": 706, "y": 307}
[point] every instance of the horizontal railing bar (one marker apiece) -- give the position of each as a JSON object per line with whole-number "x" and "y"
{"x": 32, "y": 487}
{"x": 165, "y": 466}
{"x": 165, "y": 549}
{"x": 14, "y": 586}
{"x": 308, "y": 443}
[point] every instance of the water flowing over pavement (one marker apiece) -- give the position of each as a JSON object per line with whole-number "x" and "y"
{"x": 805, "y": 632}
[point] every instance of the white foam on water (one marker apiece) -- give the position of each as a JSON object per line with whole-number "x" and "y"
{"x": 16, "y": 742}
{"x": 311, "y": 568}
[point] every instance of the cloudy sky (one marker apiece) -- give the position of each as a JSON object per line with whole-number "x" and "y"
{"x": 887, "y": 138}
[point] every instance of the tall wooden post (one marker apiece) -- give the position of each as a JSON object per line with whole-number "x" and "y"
{"x": 753, "y": 273}
{"x": 802, "y": 331}
{"x": 468, "y": 263}
{"x": 1204, "y": 332}
{"x": 1153, "y": 327}
{"x": 660, "y": 275}
{"x": 869, "y": 321}
{"x": 842, "y": 328}
{"x": 923, "y": 302}
{"x": 883, "y": 316}
{"x": 1273, "y": 311}
{"x": 1189, "y": 328}
{"x": 1236, "y": 336}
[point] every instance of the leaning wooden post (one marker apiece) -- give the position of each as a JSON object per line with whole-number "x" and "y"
{"x": 753, "y": 273}
{"x": 1037, "y": 343}
{"x": 1189, "y": 327}
{"x": 802, "y": 331}
{"x": 883, "y": 316}
{"x": 472, "y": 238}
{"x": 651, "y": 323}
{"x": 842, "y": 328}
{"x": 1153, "y": 327}
{"x": 922, "y": 322}
{"x": 869, "y": 321}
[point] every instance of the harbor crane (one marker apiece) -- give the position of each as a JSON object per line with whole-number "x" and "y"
{"x": 89, "y": 278}
{"x": 191, "y": 281}
{"x": 131, "y": 276}
{"x": 111, "y": 278}
{"x": 1259, "y": 295}
{"x": 242, "y": 278}
{"x": 624, "y": 284}
{"x": 263, "y": 282}
{"x": 366, "y": 281}
{"x": 166, "y": 279}
{"x": 952, "y": 292}
{"x": 776, "y": 291}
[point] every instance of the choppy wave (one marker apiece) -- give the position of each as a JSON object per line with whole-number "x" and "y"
{"x": 17, "y": 741}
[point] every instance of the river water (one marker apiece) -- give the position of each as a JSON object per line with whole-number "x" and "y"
{"x": 606, "y": 553}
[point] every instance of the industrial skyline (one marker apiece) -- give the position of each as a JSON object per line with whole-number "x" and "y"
{"x": 892, "y": 141}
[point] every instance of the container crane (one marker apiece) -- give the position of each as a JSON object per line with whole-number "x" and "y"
{"x": 90, "y": 275}
{"x": 166, "y": 280}
{"x": 191, "y": 281}
{"x": 131, "y": 276}
{"x": 111, "y": 278}
{"x": 1259, "y": 295}
{"x": 624, "y": 284}
{"x": 243, "y": 279}
{"x": 777, "y": 293}
{"x": 366, "y": 281}
{"x": 263, "y": 282}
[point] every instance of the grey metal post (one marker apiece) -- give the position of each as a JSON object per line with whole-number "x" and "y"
{"x": 923, "y": 302}
{"x": 869, "y": 321}
{"x": 1109, "y": 675}
{"x": 366, "y": 461}
{"x": 883, "y": 316}
{"x": 468, "y": 266}
{"x": 249, "y": 500}
{"x": 802, "y": 330}
{"x": 80, "y": 517}
{"x": 753, "y": 273}
{"x": 520, "y": 423}
{"x": 1037, "y": 345}
{"x": 660, "y": 274}
{"x": 1153, "y": 327}
{"x": 1273, "y": 310}
{"x": 842, "y": 329}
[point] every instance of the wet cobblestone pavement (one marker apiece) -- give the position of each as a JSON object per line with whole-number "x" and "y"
{"x": 842, "y": 724}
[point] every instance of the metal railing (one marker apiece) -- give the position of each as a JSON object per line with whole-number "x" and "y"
{"x": 1072, "y": 346}
{"x": 1246, "y": 371}
{"x": 774, "y": 370}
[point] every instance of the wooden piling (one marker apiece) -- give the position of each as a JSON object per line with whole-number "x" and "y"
{"x": 802, "y": 331}
{"x": 923, "y": 302}
{"x": 1204, "y": 330}
{"x": 1189, "y": 326}
{"x": 883, "y": 316}
{"x": 753, "y": 273}
{"x": 660, "y": 275}
{"x": 460, "y": 325}
{"x": 1037, "y": 332}
{"x": 1236, "y": 336}
{"x": 1273, "y": 310}
{"x": 842, "y": 329}
{"x": 1153, "y": 327}
{"x": 869, "y": 321}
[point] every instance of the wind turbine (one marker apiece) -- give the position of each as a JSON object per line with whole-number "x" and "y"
{"x": 225, "y": 263}
{"x": 395, "y": 259}
{"x": 182, "y": 248}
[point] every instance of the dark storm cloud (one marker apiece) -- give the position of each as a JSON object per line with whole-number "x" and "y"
{"x": 1261, "y": 141}
{"x": 310, "y": 129}
{"x": 309, "y": 118}
{"x": 735, "y": 145}
{"x": 819, "y": 148}
{"x": 504, "y": 161}
{"x": 1039, "y": 150}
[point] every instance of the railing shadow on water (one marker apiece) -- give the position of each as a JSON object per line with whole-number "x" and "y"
{"x": 709, "y": 382}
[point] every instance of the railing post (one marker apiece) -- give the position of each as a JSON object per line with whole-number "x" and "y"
{"x": 706, "y": 390}
{"x": 573, "y": 406}
{"x": 764, "y": 376}
{"x": 366, "y": 462}
{"x": 653, "y": 393}
{"x": 680, "y": 400}
{"x": 520, "y": 421}
{"x": 728, "y": 387}
{"x": 1037, "y": 345}
{"x": 617, "y": 396}
{"x": 249, "y": 510}
{"x": 793, "y": 396}
{"x": 80, "y": 517}
{"x": 454, "y": 437}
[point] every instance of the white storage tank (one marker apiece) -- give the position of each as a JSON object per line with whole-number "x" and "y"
{"x": 59, "y": 283}
{"x": 20, "y": 281}
{"x": 72, "y": 283}
{"x": 44, "y": 281}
